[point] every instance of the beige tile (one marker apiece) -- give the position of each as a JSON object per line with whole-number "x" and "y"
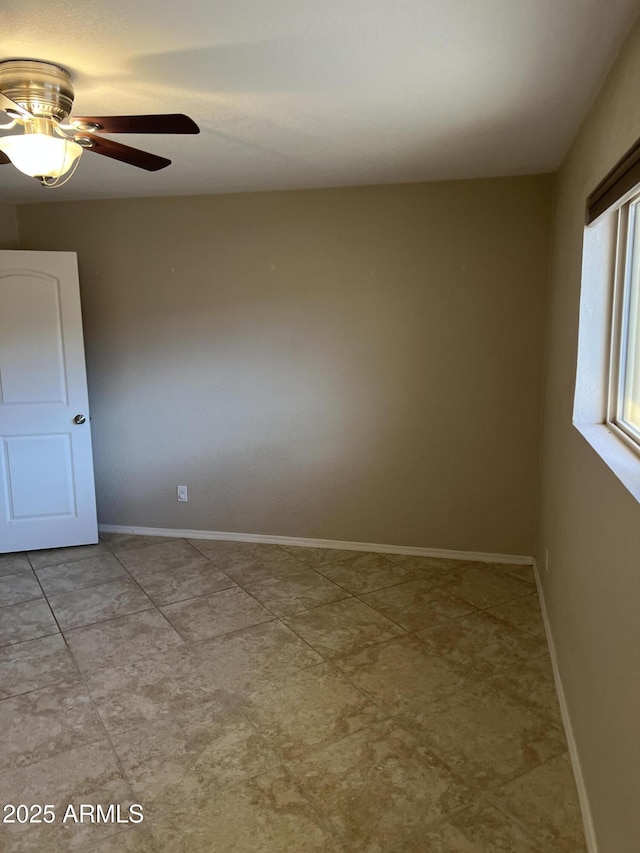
{"x": 417, "y": 604}
{"x": 80, "y": 574}
{"x": 532, "y": 683}
{"x": 482, "y": 644}
{"x": 12, "y": 563}
{"x": 523, "y": 573}
{"x": 480, "y": 828}
{"x": 172, "y": 554}
{"x": 97, "y": 603}
{"x": 545, "y": 800}
{"x": 117, "y": 542}
{"x": 487, "y": 737}
{"x": 234, "y": 552}
{"x": 134, "y": 840}
{"x": 266, "y": 814}
{"x": 401, "y": 674}
{"x": 341, "y": 627}
{"x": 56, "y": 556}
{"x": 524, "y": 614}
{"x": 20, "y": 622}
{"x": 308, "y": 709}
{"x": 296, "y": 591}
{"x": 379, "y": 786}
{"x": 212, "y": 615}
{"x": 83, "y": 774}
{"x": 14, "y": 589}
{"x": 248, "y": 562}
{"x": 425, "y": 565}
{"x": 206, "y": 770}
{"x": 148, "y": 670}
{"x": 168, "y": 763}
{"x": 45, "y": 722}
{"x": 137, "y": 637}
{"x": 316, "y": 557}
{"x": 34, "y": 664}
{"x": 155, "y": 689}
{"x": 365, "y": 573}
{"x": 246, "y": 660}
{"x": 166, "y": 586}
{"x": 486, "y": 584}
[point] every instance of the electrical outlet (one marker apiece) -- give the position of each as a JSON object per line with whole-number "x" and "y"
{"x": 183, "y": 496}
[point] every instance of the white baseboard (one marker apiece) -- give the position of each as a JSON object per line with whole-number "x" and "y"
{"x": 471, "y": 556}
{"x": 587, "y": 819}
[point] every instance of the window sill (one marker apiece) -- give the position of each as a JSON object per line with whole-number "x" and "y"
{"x": 613, "y": 451}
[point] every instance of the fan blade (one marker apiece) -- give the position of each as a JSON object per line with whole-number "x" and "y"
{"x": 13, "y": 109}
{"x": 3, "y": 158}
{"x": 172, "y": 123}
{"x": 124, "y": 153}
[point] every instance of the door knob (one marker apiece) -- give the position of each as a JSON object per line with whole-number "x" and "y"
{"x": 79, "y": 419}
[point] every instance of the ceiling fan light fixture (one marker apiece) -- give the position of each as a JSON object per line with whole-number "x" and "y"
{"x": 38, "y": 97}
{"x": 41, "y": 155}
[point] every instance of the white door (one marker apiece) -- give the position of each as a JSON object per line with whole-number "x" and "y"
{"x": 47, "y": 494}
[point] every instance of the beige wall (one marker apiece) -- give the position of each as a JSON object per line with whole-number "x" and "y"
{"x": 590, "y": 523}
{"x": 8, "y": 227}
{"x": 355, "y": 364}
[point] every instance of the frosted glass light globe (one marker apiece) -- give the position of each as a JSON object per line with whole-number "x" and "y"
{"x": 41, "y": 155}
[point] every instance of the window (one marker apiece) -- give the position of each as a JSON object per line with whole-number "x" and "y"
{"x": 606, "y": 410}
{"x": 624, "y": 373}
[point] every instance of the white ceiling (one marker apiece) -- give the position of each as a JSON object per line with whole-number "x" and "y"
{"x": 312, "y": 93}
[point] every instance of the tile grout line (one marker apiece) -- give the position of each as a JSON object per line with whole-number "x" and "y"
{"x": 239, "y": 709}
{"x": 296, "y": 613}
{"x": 95, "y": 707}
{"x": 179, "y": 601}
{"x": 396, "y": 723}
{"x": 358, "y": 596}
{"x": 282, "y": 763}
{"x": 83, "y": 682}
{"x": 324, "y": 660}
{"x": 505, "y": 811}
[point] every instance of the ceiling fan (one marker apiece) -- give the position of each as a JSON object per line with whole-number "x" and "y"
{"x": 38, "y": 98}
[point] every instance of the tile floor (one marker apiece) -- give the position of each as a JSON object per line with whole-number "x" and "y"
{"x": 263, "y": 699}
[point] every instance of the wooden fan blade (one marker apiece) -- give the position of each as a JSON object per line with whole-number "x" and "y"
{"x": 170, "y": 123}
{"x": 4, "y": 159}
{"x": 15, "y": 110}
{"x": 124, "y": 153}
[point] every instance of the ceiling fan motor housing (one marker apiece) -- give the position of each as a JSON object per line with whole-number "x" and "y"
{"x": 39, "y": 96}
{"x": 42, "y": 88}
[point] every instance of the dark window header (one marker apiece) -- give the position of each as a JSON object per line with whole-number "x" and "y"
{"x": 624, "y": 176}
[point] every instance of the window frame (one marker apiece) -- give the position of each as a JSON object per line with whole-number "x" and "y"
{"x": 627, "y": 243}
